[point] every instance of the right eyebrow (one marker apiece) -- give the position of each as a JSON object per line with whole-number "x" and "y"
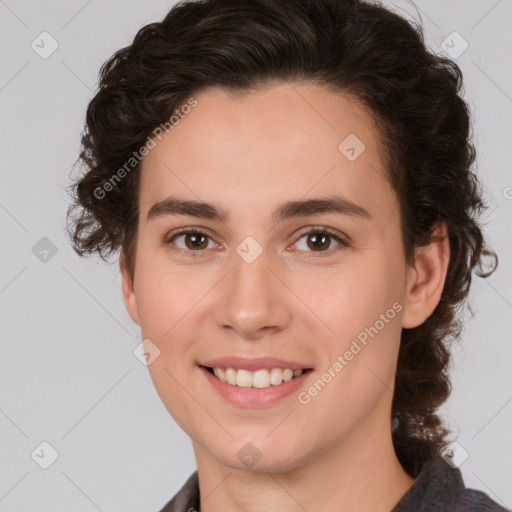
{"x": 175, "y": 206}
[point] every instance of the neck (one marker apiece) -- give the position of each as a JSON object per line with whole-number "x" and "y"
{"x": 360, "y": 473}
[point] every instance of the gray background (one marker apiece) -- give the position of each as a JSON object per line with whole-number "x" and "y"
{"x": 68, "y": 373}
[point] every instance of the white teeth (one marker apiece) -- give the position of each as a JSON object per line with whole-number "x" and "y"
{"x": 220, "y": 374}
{"x": 287, "y": 375}
{"x": 230, "y": 376}
{"x": 259, "y": 379}
{"x": 276, "y": 376}
{"x": 244, "y": 379}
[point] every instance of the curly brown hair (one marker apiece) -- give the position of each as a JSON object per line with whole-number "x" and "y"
{"x": 348, "y": 46}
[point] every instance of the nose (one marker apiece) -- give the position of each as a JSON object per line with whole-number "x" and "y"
{"x": 251, "y": 301}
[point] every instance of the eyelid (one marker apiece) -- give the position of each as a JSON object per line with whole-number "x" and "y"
{"x": 343, "y": 240}
{"x": 183, "y": 231}
{"x": 340, "y": 237}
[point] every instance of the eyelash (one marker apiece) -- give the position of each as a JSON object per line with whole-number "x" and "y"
{"x": 313, "y": 231}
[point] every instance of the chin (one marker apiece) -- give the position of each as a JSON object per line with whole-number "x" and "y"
{"x": 260, "y": 459}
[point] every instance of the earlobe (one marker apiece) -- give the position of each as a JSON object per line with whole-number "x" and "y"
{"x": 426, "y": 278}
{"x": 130, "y": 300}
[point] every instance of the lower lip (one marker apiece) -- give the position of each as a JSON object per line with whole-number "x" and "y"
{"x": 254, "y": 397}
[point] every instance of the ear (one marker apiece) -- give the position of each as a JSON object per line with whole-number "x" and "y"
{"x": 130, "y": 300}
{"x": 426, "y": 278}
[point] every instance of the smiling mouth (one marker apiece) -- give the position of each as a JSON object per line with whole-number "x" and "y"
{"x": 260, "y": 379}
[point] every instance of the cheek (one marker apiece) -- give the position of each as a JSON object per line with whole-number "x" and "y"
{"x": 360, "y": 357}
{"x": 360, "y": 304}
{"x": 169, "y": 383}
{"x": 165, "y": 295}
{"x": 351, "y": 297}
{"x": 167, "y": 301}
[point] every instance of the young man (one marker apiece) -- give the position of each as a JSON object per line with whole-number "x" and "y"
{"x": 292, "y": 247}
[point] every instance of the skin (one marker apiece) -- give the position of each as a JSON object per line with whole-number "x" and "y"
{"x": 249, "y": 155}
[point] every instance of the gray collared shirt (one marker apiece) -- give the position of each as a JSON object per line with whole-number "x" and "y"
{"x": 438, "y": 488}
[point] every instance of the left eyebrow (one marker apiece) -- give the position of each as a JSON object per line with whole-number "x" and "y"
{"x": 301, "y": 208}
{"x": 334, "y": 204}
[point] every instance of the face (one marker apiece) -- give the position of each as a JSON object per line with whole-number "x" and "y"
{"x": 269, "y": 286}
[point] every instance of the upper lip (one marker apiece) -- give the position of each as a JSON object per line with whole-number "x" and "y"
{"x": 252, "y": 364}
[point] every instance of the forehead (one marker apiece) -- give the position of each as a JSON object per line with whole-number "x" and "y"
{"x": 278, "y": 143}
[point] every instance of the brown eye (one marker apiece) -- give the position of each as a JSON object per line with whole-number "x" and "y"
{"x": 196, "y": 241}
{"x": 319, "y": 241}
{"x": 192, "y": 241}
